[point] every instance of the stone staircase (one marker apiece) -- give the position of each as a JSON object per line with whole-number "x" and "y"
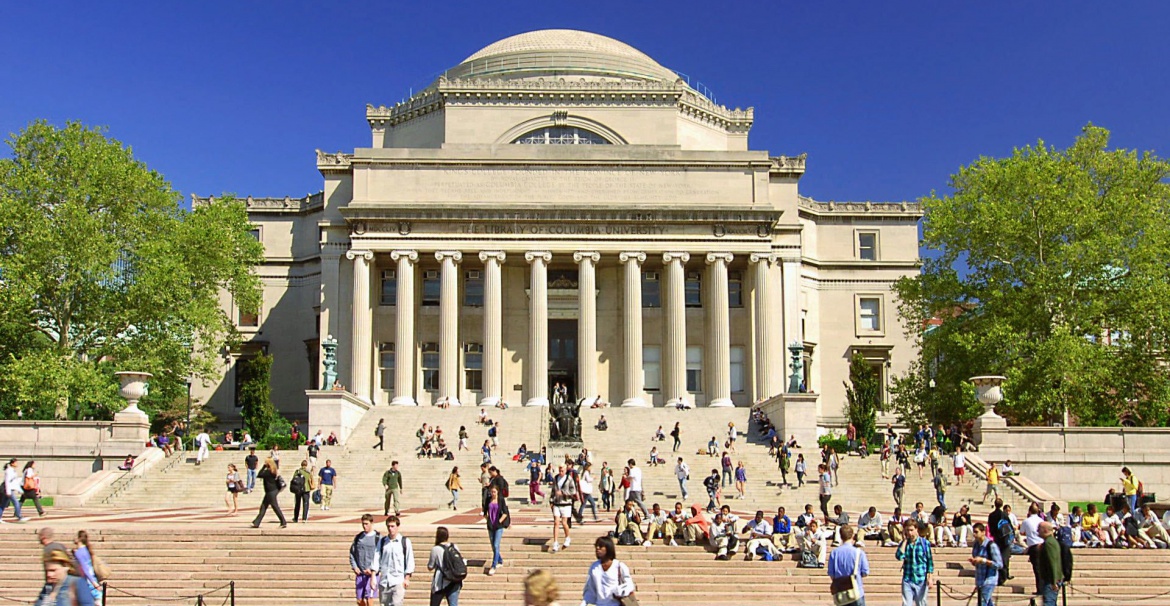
{"x": 308, "y": 566}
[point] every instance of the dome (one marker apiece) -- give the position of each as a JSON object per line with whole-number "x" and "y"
{"x": 561, "y": 52}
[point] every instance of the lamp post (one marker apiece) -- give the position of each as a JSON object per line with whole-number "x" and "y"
{"x": 187, "y": 425}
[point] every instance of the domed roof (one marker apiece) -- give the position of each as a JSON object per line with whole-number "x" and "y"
{"x": 561, "y": 52}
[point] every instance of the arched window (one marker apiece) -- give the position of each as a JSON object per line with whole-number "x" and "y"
{"x": 561, "y": 135}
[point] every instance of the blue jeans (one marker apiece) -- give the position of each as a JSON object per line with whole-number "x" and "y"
{"x": 1133, "y": 504}
{"x": 587, "y": 499}
{"x": 14, "y": 498}
{"x": 726, "y": 481}
{"x": 1049, "y": 594}
{"x": 711, "y": 494}
{"x": 496, "y": 535}
{"x": 914, "y": 594}
{"x": 682, "y": 485}
{"x": 987, "y": 592}
{"x": 941, "y": 498}
{"x": 451, "y": 592}
{"x": 251, "y": 479}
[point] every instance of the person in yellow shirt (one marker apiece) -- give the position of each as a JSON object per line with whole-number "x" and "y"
{"x": 1091, "y": 527}
{"x": 992, "y": 482}
{"x": 1131, "y": 485}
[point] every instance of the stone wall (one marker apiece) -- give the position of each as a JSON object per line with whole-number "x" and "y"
{"x": 68, "y": 452}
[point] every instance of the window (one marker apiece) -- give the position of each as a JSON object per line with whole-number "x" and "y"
{"x": 869, "y": 314}
{"x": 651, "y": 289}
{"x": 652, "y": 367}
{"x": 735, "y": 289}
{"x": 246, "y": 319}
{"x": 431, "y": 288}
{"x": 737, "y": 369}
{"x": 693, "y": 289}
{"x": 389, "y": 287}
{"x": 386, "y": 365}
{"x": 867, "y": 242}
{"x": 473, "y": 366}
{"x": 694, "y": 369}
{"x": 430, "y": 366}
{"x": 473, "y": 288}
{"x": 561, "y": 135}
{"x": 255, "y": 233}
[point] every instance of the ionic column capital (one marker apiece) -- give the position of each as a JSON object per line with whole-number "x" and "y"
{"x": 668, "y": 257}
{"x": 366, "y": 255}
{"x": 494, "y": 255}
{"x": 409, "y": 255}
{"x": 542, "y": 255}
{"x": 764, "y": 258}
{"x": 581, "y": 256}
{"x": 717, "y": 257}
{"x": 637, "y": 257}
{"x": 454, "y": 255}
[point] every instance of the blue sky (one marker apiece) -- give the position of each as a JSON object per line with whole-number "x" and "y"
{"x": 887, "y": 98}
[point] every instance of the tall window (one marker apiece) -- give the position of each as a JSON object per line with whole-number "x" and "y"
{"x": 693, "y": 289}
{"x": 694, "y": 369}
{"x": 473, "y": 288}
{"x": 869, "y": 314}
{"x": 255, "y": 233}
{"x": 386, "y": 365}
{"x": 651, "y": 289}
{"x": 389, "y": 287}
{"x": 737, "y": 369}
{"x": 652, "y": 367}
{"x": 867, "y": 244}
{"x": 430, "y": 366}
{"x": 735, "y": 289}
{"x": 431, "y": 288}
{"x": 561, "y": 135}
{"x": 246, "y": 319}
{"x": 473, "y": 366}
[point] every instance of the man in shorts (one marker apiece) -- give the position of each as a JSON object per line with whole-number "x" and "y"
{"x": 960, "y": 466}
{"x": 563, "y": 490}
{"x": 362, "y": 560}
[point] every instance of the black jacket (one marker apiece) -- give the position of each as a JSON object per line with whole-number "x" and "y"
{"x": 269, "y": 478}
{"x": 506, "y": 521}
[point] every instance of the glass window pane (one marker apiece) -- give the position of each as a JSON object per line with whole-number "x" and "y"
{"x": 651, "y": 367}
{"x": 431, "y": 288}
{"x": 693, "y": 289}
{"x": 867, "y": 245}
{"x": 386, "y": 365}
{"x": 389, "y": 287}
{"x": 473, "y": 289}
{"x": 694, "y": 369}
{"x": 561, "y": 135}
{"x": 735, "y": 289}
{"x": 430, "y": 366}
{"x": 870, "y": 313}
{"x": 651, "y": 290}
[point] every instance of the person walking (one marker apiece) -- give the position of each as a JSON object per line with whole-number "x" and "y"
{"x": 676, "y": 435}
{"x": 585, "y": 487}
{"x": 392, "y": 482}
{"x": 1131, "y": 487}
{"x": 454, "y": 486}
{"x": 394, "y": 561}
{"x": 727, "y": 465}
{"x": 834, "y": 464}
{"x": 203, "y": 441}
{"x": 825, "y": 489}
{"x": 682, "y": 472}
{"x": 992, "y": 482}
{"x": 83, "y": 555}
{"x": 362, "y": 561}
{"x": 784, "y": 463}
{"x": 741, "y": 480}
{"x": 328, "y": 477}
{"x": 301, "y": 486}
{"x": 270, "y": 481}
{"x": 534, "y": 477}
{"x": 847, "y": 565}
{"x": 31, "y": 488}
{"x": 608, "y": 579}
{"x": 442, "y": 586}
{"x": 498, "y": 518}
{"x": 608, "y": 486}
{"x": 63, "y": 585}
{"x": 987, "y": 560}
{"x": 940, "y": 487}
{"x": 1049, "y": 565}
{"x": 800, "y": 470}
{"x": 564, "y": 490}
{"x": 960, "y": 465}
{"x": 917, "y": 565}
{"x": 13, "y": 489}
{"x": 635, "y": 491}
{"x": 232, "y": 497}
{"x": 899, "y": 482}
{"x": 251, "y": 463}
{"x": 380, "y": 433}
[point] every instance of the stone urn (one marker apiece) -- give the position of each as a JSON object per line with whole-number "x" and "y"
{"x": 133, "y": 389}
{"x": 989, "y": 393}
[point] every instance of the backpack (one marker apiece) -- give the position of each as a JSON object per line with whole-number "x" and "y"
{"x": 297, "y": 486}
{"x": 627, "y": 538}
{"x": 1006, "y": 533}
{"x": 453, "y": 566}
{"x": 492, "y": 432}
{"x": 808, "y": 559}
{"x": 317, "y": 496}
{"x": 1066, "y": 560}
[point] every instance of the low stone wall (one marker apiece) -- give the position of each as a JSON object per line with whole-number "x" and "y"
{"x": 334, "y": 411}
{"x": 68, "y": 452}
{"x": 1083, "y": 463}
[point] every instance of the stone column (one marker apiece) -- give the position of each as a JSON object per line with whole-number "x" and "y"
{"x": 587, "y": 323}
{"x": 719, "y": 330}
{"x": 493, "y": 321}
{"x": 674, "y": 356}
{"x": 404, "y": 331}
{"x": 449, "y": 325}
{"x": 769, "y": 377}
{"x": 361, "y": 339}
{"x": 792, "y": 332}
{"x": 632, "y": 327}
{"x": 538, "y": 330}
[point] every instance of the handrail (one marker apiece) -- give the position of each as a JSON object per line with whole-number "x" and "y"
{"x": 119, "y": 486}
{"x": 1021, "y": 486}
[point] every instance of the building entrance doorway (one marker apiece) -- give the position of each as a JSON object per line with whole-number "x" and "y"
{"x": 562, "y": 358}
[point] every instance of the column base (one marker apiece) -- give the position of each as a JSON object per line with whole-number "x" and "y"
{"x": 403, "y": 401}
{"x": 490, "y": 401}
{"x": 537, "y": 402}
{"x": 635, "y": 402}
{"x": 721, "y": 403}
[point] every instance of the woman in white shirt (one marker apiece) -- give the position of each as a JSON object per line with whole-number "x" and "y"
{"x": 608, "y": 578}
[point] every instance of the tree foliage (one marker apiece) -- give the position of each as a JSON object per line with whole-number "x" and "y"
{"x": 255, "y": 395}
{"x": 1053, "y": 270}
{"x": 102, "y": 270}
{"x": 863, "y": 394}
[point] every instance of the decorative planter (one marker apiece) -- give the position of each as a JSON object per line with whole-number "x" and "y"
{"x": 133, "y": 389}
{"x": 989, "y": 392}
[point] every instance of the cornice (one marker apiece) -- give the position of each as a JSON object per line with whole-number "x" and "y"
{"x": 285, "y": 205}
{"x": 904, "y": 209}
{"x": 433, "y": 212}
{"x": 788, "y": 166}
{"x": 338, "y": 161}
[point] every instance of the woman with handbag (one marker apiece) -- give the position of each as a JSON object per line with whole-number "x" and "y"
{"x": 87, "y": 565}
{"x": 62, "y": 585}
{"x": 498, "y": 519}
{"x": 608, "y": 582}
{"x": 32, "y": 486}
{"x": 273, "y": 484}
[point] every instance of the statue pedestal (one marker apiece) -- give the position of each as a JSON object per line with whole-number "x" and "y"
{"x": 794, "y": 414}
{"x": 991, "y": 434}
{"x": 130, "y": 430}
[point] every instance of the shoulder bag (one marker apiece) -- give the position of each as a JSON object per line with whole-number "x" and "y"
{"x": 845, "y": 589}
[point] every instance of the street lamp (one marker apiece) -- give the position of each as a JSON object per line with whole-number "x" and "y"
{"x": 187, "y": 426}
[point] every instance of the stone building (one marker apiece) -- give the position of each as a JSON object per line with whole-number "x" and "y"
{"x": 560, "y": 208}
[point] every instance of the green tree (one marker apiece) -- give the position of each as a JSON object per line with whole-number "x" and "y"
{"x": 255, "y": 395}
{"x": 102, "y": 270}
{"x": 863, "y": 393}
{"x": 1052, "y": 270}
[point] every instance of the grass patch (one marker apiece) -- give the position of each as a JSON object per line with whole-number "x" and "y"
{"x": 45, "y": 502}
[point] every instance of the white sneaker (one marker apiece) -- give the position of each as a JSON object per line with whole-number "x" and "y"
{"x": 568, "y": 541}
{"x": 646, "y": 543}
{"x": 673, "y": 543}
{"x": 492, "y": 571}
{"x": 555, "y": 548}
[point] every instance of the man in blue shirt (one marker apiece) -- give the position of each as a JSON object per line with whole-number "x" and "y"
{"x": 917, "y": 566}
{"x": 782, "y": 531}
{"x": 848, "y": 561}
{"x": 987, "y": 560}
{"x": 328, "y": 477}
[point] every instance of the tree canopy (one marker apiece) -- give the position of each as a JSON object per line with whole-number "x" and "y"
{"x": 1054, "y": 270}
{"x": 102, "y": 270}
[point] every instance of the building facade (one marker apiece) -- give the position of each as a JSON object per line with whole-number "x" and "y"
{"x": 561, "y": 209}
